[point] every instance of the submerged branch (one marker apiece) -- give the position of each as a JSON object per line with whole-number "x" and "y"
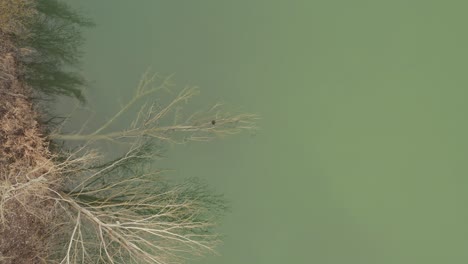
{"x": 152, "y": 122}
{"x": 120, "y": 210}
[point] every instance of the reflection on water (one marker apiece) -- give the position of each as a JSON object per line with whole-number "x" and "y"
{"x": 362, "y": 154}
{"x": 54, "y": 43}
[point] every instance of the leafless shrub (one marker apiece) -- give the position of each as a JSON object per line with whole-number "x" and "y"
{"x": 123, "y": 210}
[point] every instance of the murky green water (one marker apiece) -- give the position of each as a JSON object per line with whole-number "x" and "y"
{"x": 361, "y": 156}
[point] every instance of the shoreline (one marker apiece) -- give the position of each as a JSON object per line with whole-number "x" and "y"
{"x": 60, "y": 205}
{"x": 25, "y": 159}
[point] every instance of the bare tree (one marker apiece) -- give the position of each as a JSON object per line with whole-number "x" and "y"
{"x": 122, "y": 210}
{"x": 166, "y": 122}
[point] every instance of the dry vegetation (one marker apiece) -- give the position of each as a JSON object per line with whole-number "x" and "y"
{"x": 78, "y": 206}
{"x": 123, "y": 210}
{"x": 26, "y": 170}
{"x": 26, "y": 167}
{"x": 15, "y": 16}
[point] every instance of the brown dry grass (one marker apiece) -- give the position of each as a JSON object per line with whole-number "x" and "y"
{"x": 25, "y": 161}
{"x": 15, "y": 14}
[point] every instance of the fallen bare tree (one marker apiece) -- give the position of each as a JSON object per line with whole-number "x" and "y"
{"x": 156, "y": 122}
{"x": 122, "y": 210}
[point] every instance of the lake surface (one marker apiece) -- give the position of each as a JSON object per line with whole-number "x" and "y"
{"x": 362, "y": 153}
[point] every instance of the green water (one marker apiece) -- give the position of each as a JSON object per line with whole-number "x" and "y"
{"x": 361, "y": 156}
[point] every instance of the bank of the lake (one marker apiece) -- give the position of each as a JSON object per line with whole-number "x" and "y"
{"x": 77, "y": 203}
{"x": 26, "y": 167}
